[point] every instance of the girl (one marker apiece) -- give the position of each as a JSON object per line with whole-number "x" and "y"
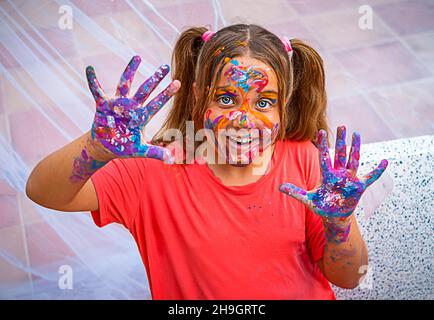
{"x": 225, "y": 229}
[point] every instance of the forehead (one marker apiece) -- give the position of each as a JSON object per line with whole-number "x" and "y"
{"x": 249, "y": 67}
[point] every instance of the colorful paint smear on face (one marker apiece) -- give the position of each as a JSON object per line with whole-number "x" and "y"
{"x": 340, "y": 191}
{"x": 118, "y": 122}
{"x": 241, "y": 82}
{"x": 246, "y": 78}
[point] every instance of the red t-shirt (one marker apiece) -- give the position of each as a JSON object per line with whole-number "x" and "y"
{"x": 200, "y": 239}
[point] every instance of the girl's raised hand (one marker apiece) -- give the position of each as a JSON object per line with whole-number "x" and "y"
{"x": 119, "y": 121}
{"x": 340, "y": 189}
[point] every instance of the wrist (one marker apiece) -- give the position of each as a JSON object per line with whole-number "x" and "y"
{"x": 96, "y": 150}
{"x": 337, "y": 229}
{"x": 342, "y": 221}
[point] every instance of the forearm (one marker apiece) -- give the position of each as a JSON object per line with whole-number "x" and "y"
{"x": 57, "y": 178}
{"x": 344, "y": 253}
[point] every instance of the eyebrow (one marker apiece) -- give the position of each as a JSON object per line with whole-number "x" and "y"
{"x": 226, "y": 88}
{"x": 269, "y": 92}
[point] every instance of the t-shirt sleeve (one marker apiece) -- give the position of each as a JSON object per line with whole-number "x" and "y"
{"x": 118, "y": 186}
{"x": 314, "y": 228}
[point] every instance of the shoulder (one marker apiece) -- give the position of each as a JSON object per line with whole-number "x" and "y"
{"x": 123, "y": 169}
{"x": 129, "y": 164}
{"x": 302, "y": 150}
{"x": 304, "y": 156}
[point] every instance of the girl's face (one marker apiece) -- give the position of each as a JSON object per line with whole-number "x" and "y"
{"x": 244, "y": 111}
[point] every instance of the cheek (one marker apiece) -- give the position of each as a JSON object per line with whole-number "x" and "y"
{"x": 276, "y": 125}
{"x": 275, "y": 120}
{"x": 214, "y": 120}
{"x": 208, "y": 120}
{"x": 271, "y": 120}
{"x": 271, "y": 123}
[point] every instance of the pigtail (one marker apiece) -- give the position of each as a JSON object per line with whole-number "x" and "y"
{"x": 306, "y": 112}
{"x": 184, "y": 59}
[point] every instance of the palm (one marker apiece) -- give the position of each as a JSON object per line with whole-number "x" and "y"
{"x": 340, "y": 189}
{"x": 118, "y": 122}
{"x": 337, "y": 197}
{"x": 118, "y": 126}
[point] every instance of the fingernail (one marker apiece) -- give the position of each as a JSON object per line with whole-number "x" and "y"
{"x": 137, "y": 58}
{"x": 283, "y": 188}
{"x": 165, "y": 68}
{"x": 173, "y": 87}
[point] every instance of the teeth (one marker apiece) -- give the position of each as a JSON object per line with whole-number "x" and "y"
{"x": 240, "y": 140}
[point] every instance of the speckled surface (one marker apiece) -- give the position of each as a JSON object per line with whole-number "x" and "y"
{"x": 399, "y": 233}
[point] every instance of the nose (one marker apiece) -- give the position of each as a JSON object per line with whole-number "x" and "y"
{"x": 243, "y": 118}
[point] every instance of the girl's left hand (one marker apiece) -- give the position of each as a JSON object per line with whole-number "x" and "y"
{"x": 340, "y": 189}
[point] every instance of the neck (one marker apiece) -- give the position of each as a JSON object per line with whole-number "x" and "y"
{"x": 233, "y": 175}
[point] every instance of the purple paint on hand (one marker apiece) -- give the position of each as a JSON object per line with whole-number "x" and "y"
{"x": 341, "y": 189}
{"x": 118, "y": 122}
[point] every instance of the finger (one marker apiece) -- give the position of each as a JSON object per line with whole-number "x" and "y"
{"x": 150, "y": 84}
{"x": 324, "y": 156}
{"x": 340, "y": 148}
{"x": 371, "y": 177}
{"x": 159, "y": 101}
{"x": 353, "y": 160}
{"x": 127, "y": 77}
{"x": 156, "y": 152}
{"x": 295, "y": 192}
{"x": 94, "y": 86}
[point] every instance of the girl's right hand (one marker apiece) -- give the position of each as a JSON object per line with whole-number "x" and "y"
{"x": 119, "y": 121}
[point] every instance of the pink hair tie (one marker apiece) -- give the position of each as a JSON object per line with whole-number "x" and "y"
{"x": 287, "y": 44}
{"x": 207, "y": 35}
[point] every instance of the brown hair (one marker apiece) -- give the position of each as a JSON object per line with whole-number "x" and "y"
{"x": 301, "y": 80}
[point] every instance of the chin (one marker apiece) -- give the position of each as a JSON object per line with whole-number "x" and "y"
{"x": 240, "y": 164}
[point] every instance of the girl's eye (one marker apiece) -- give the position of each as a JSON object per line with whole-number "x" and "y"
{"x": 225, "y": 100}
{"x": 263, "y": 104}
